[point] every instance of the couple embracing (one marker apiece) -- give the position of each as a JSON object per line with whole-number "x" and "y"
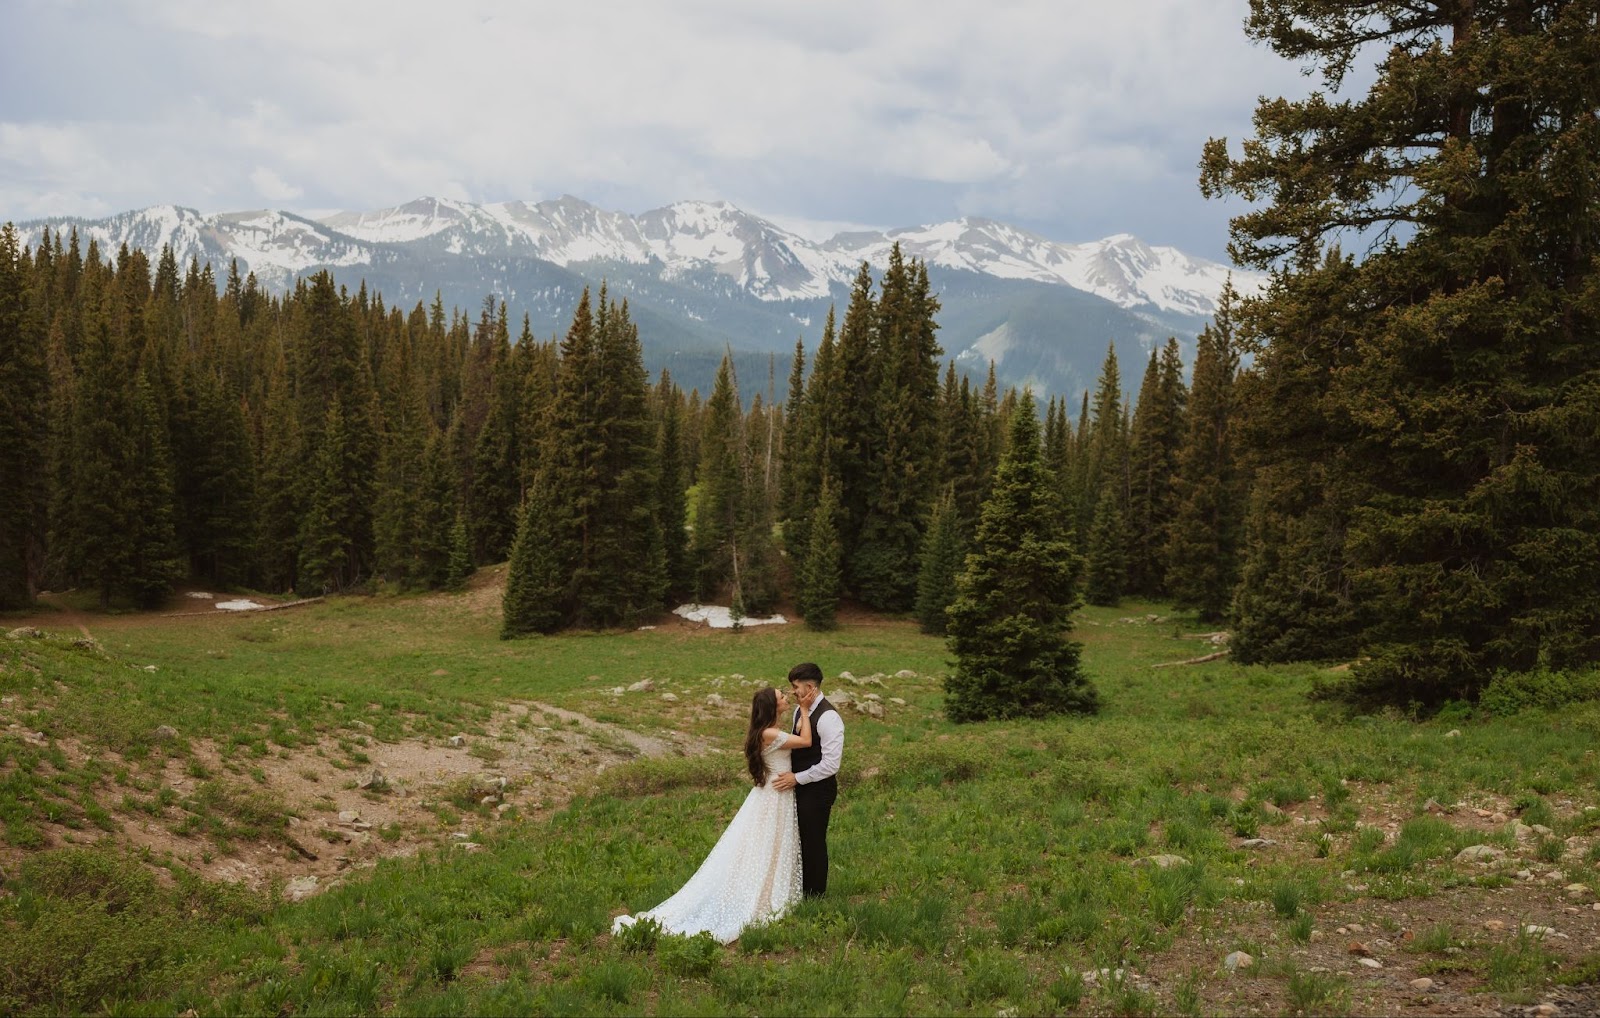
{"x": 776, "y": 848}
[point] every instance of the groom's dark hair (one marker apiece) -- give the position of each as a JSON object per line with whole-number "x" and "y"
{"x": 806, "y": 672}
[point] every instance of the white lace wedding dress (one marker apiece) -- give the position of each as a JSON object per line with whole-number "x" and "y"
{"x": 752, "y": 874}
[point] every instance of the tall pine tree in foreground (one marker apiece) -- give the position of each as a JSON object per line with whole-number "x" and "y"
{"x": 1009, "y": 625}
{"x": 1472, "y": 383}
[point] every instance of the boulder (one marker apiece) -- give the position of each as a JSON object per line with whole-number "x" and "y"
{"x": 1162, "y": 861}
{"x": 349, "y": 816}
{"x": 25, "y": 633}
{"x": 165, "y": 733}
{"x": 642, "y": 686}
{"x": 1237, "y": 960}
{"x": 670, "y": 697}
{"x": 1371, "y": 963}
{"x": 846, "y": 677}
{"x": 1454, "y": 733}
{"x": 458, "y": 740}
{"x": 1480, "y": 854}
{"x": 300, "y": 888}
{"x": 1257, "y": 843}
{"x": 1423, "y": 984}
{"x": 905, "y": 673}
{"x": 715, "y": 700}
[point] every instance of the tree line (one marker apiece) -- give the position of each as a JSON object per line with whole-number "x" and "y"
{"x": 162, "y": 428}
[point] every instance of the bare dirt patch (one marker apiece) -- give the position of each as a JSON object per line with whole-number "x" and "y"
{"x": 528, "y": 761}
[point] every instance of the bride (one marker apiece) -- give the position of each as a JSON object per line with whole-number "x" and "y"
{"x": 753, "y": 873}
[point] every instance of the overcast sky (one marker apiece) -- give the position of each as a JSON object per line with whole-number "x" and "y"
{"x": 1074, "y": 119}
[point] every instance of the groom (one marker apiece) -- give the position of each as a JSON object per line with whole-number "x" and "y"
{"x": 815, "y": 775}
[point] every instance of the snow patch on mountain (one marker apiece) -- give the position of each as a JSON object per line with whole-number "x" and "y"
{"x": 689, "y": 240}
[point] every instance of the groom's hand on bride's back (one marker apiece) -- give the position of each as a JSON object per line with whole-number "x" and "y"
{"x": 784, "y": 781}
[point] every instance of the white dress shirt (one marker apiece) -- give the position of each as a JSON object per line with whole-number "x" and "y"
{"x": 830, "y": 730}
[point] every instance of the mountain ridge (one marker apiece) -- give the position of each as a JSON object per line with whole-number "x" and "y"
{"x": 712, "y": 275}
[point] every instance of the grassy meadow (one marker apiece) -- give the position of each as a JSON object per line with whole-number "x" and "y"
{"x": 983, "y": 869}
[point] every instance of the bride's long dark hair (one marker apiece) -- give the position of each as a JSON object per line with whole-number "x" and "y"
{"x": 763, "y": 715}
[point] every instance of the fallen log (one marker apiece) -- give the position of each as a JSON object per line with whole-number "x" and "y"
{"x": 1202, "y": 659}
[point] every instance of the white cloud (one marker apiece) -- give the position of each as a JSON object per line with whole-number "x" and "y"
{"x": 887, "y": 112}
{"x": 273, "y": 187}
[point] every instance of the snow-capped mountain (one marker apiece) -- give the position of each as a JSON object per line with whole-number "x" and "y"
{"x": 705, "y": 273}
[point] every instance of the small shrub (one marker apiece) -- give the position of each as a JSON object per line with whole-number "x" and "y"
{"x": 1300, "y": 930}
{"x": 613, "y": 980}
{"x": 1066, "y": 993}
{"x": 1317, "y": 993}
{"x": 1582, "y": 973}
{"x": 1512, "y": 692}
{"x": 1286, "y": 899}
{"x": 1434, "y": 940}
{"x": 1186, "y": 995}
{"x": 692, "y": 956}
{"x": 993, "y": 975}
{"x": 640, "y": 937}
{"x": 1519, "y": 965}
{"x": 1245, "y": 821}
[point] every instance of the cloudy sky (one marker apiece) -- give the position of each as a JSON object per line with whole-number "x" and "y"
{"x": 1074, "y": 119}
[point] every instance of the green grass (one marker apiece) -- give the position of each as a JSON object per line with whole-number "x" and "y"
{"x": 977, "y": 868}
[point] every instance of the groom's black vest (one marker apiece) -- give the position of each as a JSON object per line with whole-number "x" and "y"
{"x": 810, "y": 756}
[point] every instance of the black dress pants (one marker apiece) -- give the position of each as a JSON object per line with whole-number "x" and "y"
{"x": 814, "y": 803}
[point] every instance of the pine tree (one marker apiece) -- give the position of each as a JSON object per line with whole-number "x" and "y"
{"x": 1010, "y": 621}
{"x": 721, "y": 515}
{"x": 1207, "y": 525}
{"x": 283, "y": 478}
{"x": 904, "y": 463}
{"x": 537, "y": 574}
{"x": 154, "y": 557}
{"x": 1106, "y": 573}
{"x": 1294, "y": 601}
{"x": 441, "y": 551}
{"x": 823, "y": 573}
{"x": 93, "y": 515}
{"x": 622, "y": 575}
{"x": 23, "y": 428}
{"x": 1154, "y": 441}
{"x": 1470, "y": 484}
{"x": 672, "y": 489}
{"x": 1107, "y": 446}
{"x": 461, "y": 567}
{"x": 495, "y": 484}
{"x": 326, "y": 554}
{"x": 944, "y": 552}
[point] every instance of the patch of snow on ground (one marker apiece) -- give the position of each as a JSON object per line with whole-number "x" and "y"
{"x": 239, "y": 606}
{"x": 718, "y": 617}
{"x": 202, "y": 595}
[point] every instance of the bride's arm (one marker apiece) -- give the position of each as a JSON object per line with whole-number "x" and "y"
{"x": 800, "y": 740}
